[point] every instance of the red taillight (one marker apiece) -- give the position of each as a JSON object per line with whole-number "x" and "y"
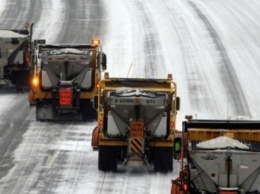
{"x": 185, "y": 187}
{"x": 27, "y": 59}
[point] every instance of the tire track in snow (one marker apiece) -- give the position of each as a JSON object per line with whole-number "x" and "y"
{"x": 86, "y": 23}
{"x": 15, "y": 14}
{"x": 50, "y": 21}
{"x": 193, "y": 74}
{"x": 60, "y": 168}
{"x": 151, "y": 41}
{"x": 47, "y": 15}
{"x": 119, "y": 42}
{"x": 229, "y": 78}
{"x": 26, "y": 164}
{"x": 49, "y": 160}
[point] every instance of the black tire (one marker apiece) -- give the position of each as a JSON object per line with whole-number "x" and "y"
{"x": 21, "y": 81}
{"x": 39, "y": 105}
{"x": 37, "y": 108}
{"x": 163, "y": 159}
{"x": 107, "y": 158}
{"x": 87, "y": 111}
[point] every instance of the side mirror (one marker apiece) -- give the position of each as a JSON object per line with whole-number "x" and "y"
{"x": 103, "y": 58}
{"x": 177, "y": 144}
{"x": 175, "y": 105}
{"x": 178, "y": 103}
{"x": 95, "y": 102}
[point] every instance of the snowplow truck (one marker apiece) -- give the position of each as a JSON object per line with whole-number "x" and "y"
{"x": 222, "y": 157}
{"x": 136, "y": 123}
{"x": 65, "y": 79}
{"x": 15, "y": 58}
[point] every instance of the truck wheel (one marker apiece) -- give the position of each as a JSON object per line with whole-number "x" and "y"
{"x": 21, "y": 80}
{"x": 87, "y": 110}
{"x": 44, "y": 110}
{"x": 38, "y": 107}
{"x": 163, "y": 159}
{"x": 107, "y": 158}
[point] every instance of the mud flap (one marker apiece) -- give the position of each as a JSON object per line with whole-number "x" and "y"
{"x": 30, "y": 98}
{"x": 163, "y": 159}
{"x": 176, "y": 188}
{"x": 107, "y": 158}
{"x": 94, "y": 141}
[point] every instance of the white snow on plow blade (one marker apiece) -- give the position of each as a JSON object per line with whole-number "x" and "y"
{"x": 222, "y": 142}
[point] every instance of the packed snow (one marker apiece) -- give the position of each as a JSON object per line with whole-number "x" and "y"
{"x": 222, "y": 142}
{"x": 70, "y": 51}
{"x": 10, "y": 34}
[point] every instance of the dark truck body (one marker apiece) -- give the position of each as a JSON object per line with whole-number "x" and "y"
{"x": 67, "y": 78}
{"x": 223, "y": 157}
{"x": 15, "y": 58}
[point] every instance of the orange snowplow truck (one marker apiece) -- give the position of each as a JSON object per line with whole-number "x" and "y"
{"x": 136, "y": 123}
{"x": 65, "y": 79}
{"x": 220, "y": 157}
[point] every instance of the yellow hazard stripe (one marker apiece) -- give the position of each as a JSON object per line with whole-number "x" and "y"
{"x": 136, "y": 145}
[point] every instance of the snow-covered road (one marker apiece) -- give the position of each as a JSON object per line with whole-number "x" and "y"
{"x": 210, "y": 47}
